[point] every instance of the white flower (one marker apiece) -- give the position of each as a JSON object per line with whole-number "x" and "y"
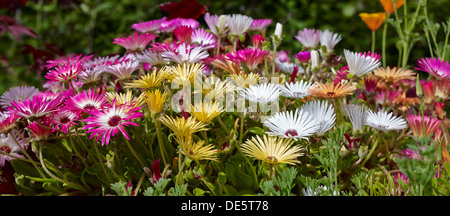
{"x": 314, "y": 59}
{"x": 184, "y": 53}
{"x": 295, "y": 89}
{"x": 124, "y": 69}
{"x": 261, "y": 93}
{"x": 90, "y": 75}
{"x": 329, "y": 39}
{"x": 288, "y": 67}
{"x": 357, "y": 115}
{"x": 278, "y": 30}
{"x": 358, "y": 64}
{"x": 322, "y": 113}
{"x": 17, "y": 93}
{"x": 154, "y": 58}
{"x": 308, "y": 37}
{"x": 9, "y": 145}
{"x": 238, "y": 23}
{"x": 298, "y": 125}
{"x": 216, "y": 24}
{"x": 382, "y": 120}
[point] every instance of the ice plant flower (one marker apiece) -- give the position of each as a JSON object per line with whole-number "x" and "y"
{"x": 185, "y": 73}
{"x": 434, "y": 66}
{"x": 287, "y": 67}
{"x": 149, "y": 26}
{"x": 92, "y": 74}
{"x": 185, "y": 53}
{"x": 206, "y": 111}
{"x": 155, "y": 100}
{"x": 272, "y": 150}
{"x": 260, "y": 24}
{"x": 214, "y": 88}
{"x": 66, "y": 72}
{"x": 7, "y": 121}
{"x": 86, "y": 101}
{"x": 261, "y": 93}
{"x": 123, "y": 70}
{"x": 136, "y": 42}
{"x": 203, "y": 39}
{"x": 331, "y": 90}
{"x": 296, "y": 90}
{"x": 359, "y": 65}
{"x": 357, "y": 114}
{"x": 183, "y": 128}
{"x": 388, "y": 5}
{"x": 303, "y": 56}
{"x": 110, "y": 120}
{"x": 36, "y": 107}
{"x": 238, "y": 24}
{"x": 323, "y": 114}
{"x": 149, "y": 80}
{"x": 183, "y": 34}
{"x": 227, "y": 65}
{"x": 197, "y": 150}
{"x": 39, "y": 132}
{"x": 297, "y": 125}
{"x": 251, "y": 57}
{"x": 125, "y": 98}
{"x": 65, "y": 119}
{"x": 329, "y": 39}
{"x": 393, "y": 75}
{"x": 386, "y": 95}
{"x": 309, "y": 38}
{"x": 9, "y": 146}
{"x": 151, "y": 57}
{"x": 422, "y": 127}
{"x": 216, "y": 24}
{"x": 245, "y": 80}
{"x": 428, "y": 93}
{"x": 373, "y": 20}
{"x": 17, "y": 93}
{"x": 384, "y": 121}
{"x": 441, "y": 89}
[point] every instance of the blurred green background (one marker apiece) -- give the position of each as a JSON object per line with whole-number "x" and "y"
{"x": 89, "y": 26}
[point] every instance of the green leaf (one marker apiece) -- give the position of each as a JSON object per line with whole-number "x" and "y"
{"x": 256, "y": 130}
{"x": 198, "y": 192}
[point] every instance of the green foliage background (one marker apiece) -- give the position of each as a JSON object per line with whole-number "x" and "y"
{"x": 89, "y": 26}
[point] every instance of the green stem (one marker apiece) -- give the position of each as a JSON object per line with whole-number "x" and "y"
{"x": 76, "y": 150}
{"x": 384, "y": 44}
{"x": 160, "y": 141}
{"x": 100, "y": 159}
{"x": 25, "y": 152}
{"x": 134, "y": 152}
{"x": 373, "y": 42}
{"x": 241, "y": 132}
{"x": 180, "y": 169}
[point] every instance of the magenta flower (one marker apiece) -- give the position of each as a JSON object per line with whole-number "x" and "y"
{"x": 370, "y": 54}
{"x": 111, "y": 119}
{"x": 36, "y": 107}
{"x": 422, "y": 127}
{"x": 260, "y": 24}
{"x": 303, "y": 57}
{"x": 428, "y": 93}
{"x": 249, "y": 56}
{"x": 39, "y": 132}
{"x": 65, "y": 119}
{"x": 7, "y": 121}
{"x": 135, "y": 42}
{"x": 370, "y": 85}
{"x": 149, "y": 26}
{"x": 434, "y": 66}
{"x": 258, "y": 41}
{"x": 67, "y": 59}
{"x": 203, "y": 38}
{"x": 391, "y": 95}
{"x": 170, "y": 25}
{"x": 309, "y": 38}
{"x": 156, "y": 170}
{"x": 183, "y": 33}
{"x": 65, "y": 72}
{"x": 86, "y": 101}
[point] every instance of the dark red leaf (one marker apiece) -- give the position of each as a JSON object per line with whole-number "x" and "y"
{"x": 185, "y": 9}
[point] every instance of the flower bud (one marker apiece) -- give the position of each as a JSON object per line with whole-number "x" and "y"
{"x": 314, "y": 59}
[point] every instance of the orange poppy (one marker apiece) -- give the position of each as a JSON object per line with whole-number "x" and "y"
{"x": 373, "y": 20}
{"x": 388, "y": 5}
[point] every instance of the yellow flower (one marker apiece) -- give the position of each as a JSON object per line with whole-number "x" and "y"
{"x": 392, "y": 75}
{"x": 388, "y": 5}
{"x": 272, "y": 150}
{"x": 155, "y": 100}
{"x": 183, "y": 128}
{"x": 184, "y": 73}
{"x": 197, "y": 150}
{"x": 214, "y": 88}
{"x": 331, "y": 90}
{"x": 245, "y": 80}
{"x": 205, "y": 112}
{"x": 373, "y": 20}
{"x": 149, "y": 80}
{"x": 125, "y": 98}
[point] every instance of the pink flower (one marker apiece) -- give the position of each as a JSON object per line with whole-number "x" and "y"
{"x": 422, "y": 127}
{"x": 309, "y": 38}
{"x": 204, "y": 39}
{"x": 434, "y": 66}
{"x": 39, "y": 132}
{"x": 37, "y": 107}
{"x": 370, "y": 85}
{"x": 183, "y": 33}
{"x": 65, "y": 72}
{"x": 110, "y": 120}
{"x": 8, "y": 145}
{"x": 260, "y": 24}
{"x": 170, "y": 25}
{"x": 370, "y": 54}
{"x": 303, "y": 57}
{"x": 124, "y": 69}
{"x": 7, "y": 121}
{"x": 258, "y": 41}
{"x": 86, "y": 101}
{"x": 251, "y": 57}
{"x": 65, "y": 119}
{"x": 428, "y": 93}
{"x": 156, "y": 170}
{"x": 135, "y": 42}
{"x": 67, "y": 59}
{"x": 391, "y": 94}
{"x": 149, "y": 26}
